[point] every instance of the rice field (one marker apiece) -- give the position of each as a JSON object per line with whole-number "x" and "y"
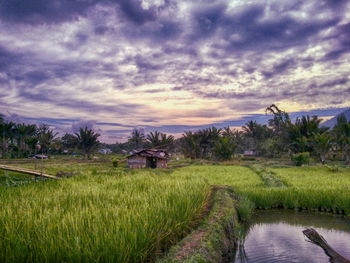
{"x": 106, "y": 214}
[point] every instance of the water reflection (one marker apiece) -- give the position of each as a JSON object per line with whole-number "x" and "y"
{"x": 276, "y": 236}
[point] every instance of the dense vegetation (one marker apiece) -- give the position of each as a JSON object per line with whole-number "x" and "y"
{"x": 20, "y": 140}
{"x": 280, "y": 137}
{"x": 110, "y": 214}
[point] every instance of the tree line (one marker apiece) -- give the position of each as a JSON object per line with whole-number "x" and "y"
{"x": 20, "y": 140}
{"x": 280, "y": 137}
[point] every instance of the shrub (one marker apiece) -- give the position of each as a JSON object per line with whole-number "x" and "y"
{"x": 245, "y": 208}
{"x": 300, "y": 158}
{"x": 224, "y": 148}
{"x": 247, "y": 158}
{"x": 115, "y": 163}
{"x": 332, "y": 169}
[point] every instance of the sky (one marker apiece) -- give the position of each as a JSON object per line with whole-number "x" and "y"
{"x": 171, "y": 65}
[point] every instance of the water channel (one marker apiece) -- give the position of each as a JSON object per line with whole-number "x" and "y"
{"x": 276, "y": 236}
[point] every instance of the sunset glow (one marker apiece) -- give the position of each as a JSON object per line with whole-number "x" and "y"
{"x": 171, "y": 65}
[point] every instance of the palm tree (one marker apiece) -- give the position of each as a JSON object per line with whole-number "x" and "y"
{"x": 22, "y": 133}
{"x": 224, "y": 148}
{"x": 167, "y": 140}
{"x": 322, "y": 144}
{"x": 280, "y": 125}
{"x": 302, "y": 132}
{"x": 87, "y": 140}
{"x": 68, "y": 141}
{"x": 308, "y": 126}
{"x": 238, "y": 139}
{"x": 257, "y": 134}
{"x": 6, "y": 130}
{"x": 154, "y": 139}
{"x": 190, "y": 146}
{"x": 137, "y": 138}
{"x": 46, "y": 137}
{"x": 208, "y": 139}
{"x": 342, "y": 136}
{"x": 227, "y": 132}
{"x": 251, "y": 129}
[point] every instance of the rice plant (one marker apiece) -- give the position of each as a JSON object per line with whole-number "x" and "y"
{"x": 108, "y": 214}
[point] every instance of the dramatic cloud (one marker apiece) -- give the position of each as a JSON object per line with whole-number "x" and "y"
{"x": 171, "y": 65}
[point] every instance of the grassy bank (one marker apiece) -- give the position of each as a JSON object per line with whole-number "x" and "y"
{"x": 110, "y": 214}
{"x": 214, "y": 240}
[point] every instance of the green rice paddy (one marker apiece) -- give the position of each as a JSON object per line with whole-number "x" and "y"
{"x": 106, "y": 214}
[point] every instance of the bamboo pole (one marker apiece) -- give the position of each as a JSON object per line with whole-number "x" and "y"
{"x": 317, "y": 239}
{"x": 27, "y": 171}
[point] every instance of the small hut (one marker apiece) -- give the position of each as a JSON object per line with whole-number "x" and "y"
{"x": 152, "y": 158}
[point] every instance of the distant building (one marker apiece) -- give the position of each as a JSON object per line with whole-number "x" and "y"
{"x": 249, "y": 153}
{"x": 105, "y": 151}
{"x": 152, "y": 158}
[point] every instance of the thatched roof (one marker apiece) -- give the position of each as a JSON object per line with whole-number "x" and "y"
{"x": 154, "y": 153}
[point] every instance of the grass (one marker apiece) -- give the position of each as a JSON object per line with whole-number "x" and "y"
{"x": 107, "y": 214}
{"x": 214, "y": 239}
{"x": 100, "y": 218}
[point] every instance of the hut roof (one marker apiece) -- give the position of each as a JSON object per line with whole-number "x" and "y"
{"x": 154, "y": 153}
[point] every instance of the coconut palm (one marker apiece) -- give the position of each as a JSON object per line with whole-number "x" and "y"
{"x": 6, "y": 131}
{"x": 46, "y": 137}
{"x": 154, "y": 138}
{"x": 308, "y": 126}
{"x": 87, "y": 140}
{"x": 224, "y": 148}
{"x": 322, "y": 144}
{"x": 22, "y": 132}
{"x": 167, "y": 140}
{"x": 227, "y": 132}
{"x": 342, "y": 136}
{"x": 190, "y": 145}
{"x": 137, "y": 138}
{"x": 68, "y": 141}
{"x": 256, "y": 134}
{"x": 301, "y": 133}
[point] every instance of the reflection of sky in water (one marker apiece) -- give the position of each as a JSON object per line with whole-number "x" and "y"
{"x": 285, "y": 242}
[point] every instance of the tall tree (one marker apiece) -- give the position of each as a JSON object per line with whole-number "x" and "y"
{"x": 280, "y": 124}
{"x": 22, "y": 134}
{"x": 190, "y": 145}
{"x": 167, "y": 140}
{"x": 87, "y": 140}
{"x": 256, "y": 134}
{"x": 68, "y": 141}
{"x": 46, "y": 137}
{"x": 154, "y": 138}
{"x": 227, "y": 132}
{"x": 224, "y": 148}
{"x": 342, "y": 136}
{"x": 280, "y": 121}
{"x": 302, "y": 131}
{"x": 322, "y": 144}
{"x": 137, "y": 138}
{"x": 7, "y": 135}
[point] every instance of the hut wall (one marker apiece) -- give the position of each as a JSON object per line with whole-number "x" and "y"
{"x": 137, "y": 162}
{"x": 161, "y": 163}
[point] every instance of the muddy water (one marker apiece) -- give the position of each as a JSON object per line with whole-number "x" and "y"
{"x": 276, "y": 236}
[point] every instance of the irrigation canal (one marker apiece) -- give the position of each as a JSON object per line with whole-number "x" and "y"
{"x": 276, "y": 236}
